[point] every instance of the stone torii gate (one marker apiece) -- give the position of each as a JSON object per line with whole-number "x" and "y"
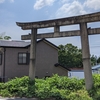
{"x": 56, "y": 23}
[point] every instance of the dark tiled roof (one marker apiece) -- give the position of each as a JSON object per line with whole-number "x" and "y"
{"x": 4, "y": 43}
{"x": 21, "y": 44}
{"x": 57, "y": 65}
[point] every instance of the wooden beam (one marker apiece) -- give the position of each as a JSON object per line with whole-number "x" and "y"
{"x": 61, "y": 22}
{"x": 62, "y": 34}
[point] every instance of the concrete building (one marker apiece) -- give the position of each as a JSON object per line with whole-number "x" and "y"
{"x": 14, "y": 59}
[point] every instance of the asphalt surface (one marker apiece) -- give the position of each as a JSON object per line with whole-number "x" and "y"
{"x": 17, "y": 99}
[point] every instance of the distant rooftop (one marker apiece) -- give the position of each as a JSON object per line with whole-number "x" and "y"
{"x": 4, "y": 43}
{"x": 22, "y": 44}
{"x": 96, "y": 67}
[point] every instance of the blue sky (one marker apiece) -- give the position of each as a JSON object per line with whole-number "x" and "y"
{"x": 12, "y": 11}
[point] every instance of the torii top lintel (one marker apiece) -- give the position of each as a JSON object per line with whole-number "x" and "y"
{"x": 61, "y": 22}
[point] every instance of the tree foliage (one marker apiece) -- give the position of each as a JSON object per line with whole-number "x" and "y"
{"x": 7, "y": 37}
{"x": 93, "y": 60}
{"x": 4, "y": 37}
{"x": 70, "y": 55}
{"x": 98, "y": 60}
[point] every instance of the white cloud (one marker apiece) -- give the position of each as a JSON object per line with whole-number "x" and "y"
{"x": 94, "y": 4}
{"x": 63, "y": 1}
{"x": 70, "y": 9}
{"x": 1, "y": 1}
{"x": 41, "y": 3}
{"x": 11, "y": 1}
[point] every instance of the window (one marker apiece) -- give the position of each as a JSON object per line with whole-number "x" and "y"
{"x": 0, "y": 59}
{"x": 23, "y": 58}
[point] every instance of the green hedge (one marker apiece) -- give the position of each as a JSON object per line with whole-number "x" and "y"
{"x": 59, "y": 87}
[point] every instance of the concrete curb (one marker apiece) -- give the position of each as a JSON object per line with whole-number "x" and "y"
{"x": 18, "y": 98}
{"x": 23, "y": 98}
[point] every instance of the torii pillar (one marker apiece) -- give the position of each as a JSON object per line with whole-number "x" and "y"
{"x": 33, "y": 53}
{"x": 86, "y": 55}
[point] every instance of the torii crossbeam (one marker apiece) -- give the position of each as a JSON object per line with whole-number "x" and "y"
{"x": 56, "y": 23}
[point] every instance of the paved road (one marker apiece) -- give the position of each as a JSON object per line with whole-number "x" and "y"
{"x": 17, "y": 99}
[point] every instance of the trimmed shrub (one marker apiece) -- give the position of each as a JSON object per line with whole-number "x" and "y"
{"x": 79, "y": 95}
{"x": 18, "y": 87}
{"x": 95, "y": 91}
{"x": 58, "y": 87}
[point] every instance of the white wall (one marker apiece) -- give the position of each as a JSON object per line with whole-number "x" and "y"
{"x": 76, "y": 74}
{"x": 80, "y": 74}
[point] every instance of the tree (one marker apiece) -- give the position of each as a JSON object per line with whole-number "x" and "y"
{"x": 4, "y": 37}
{"x": 98, "y": 60}
{"x": 93, "y": 60}
{"x": 70, "y": 55}
{"x": 7, "y": 37}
